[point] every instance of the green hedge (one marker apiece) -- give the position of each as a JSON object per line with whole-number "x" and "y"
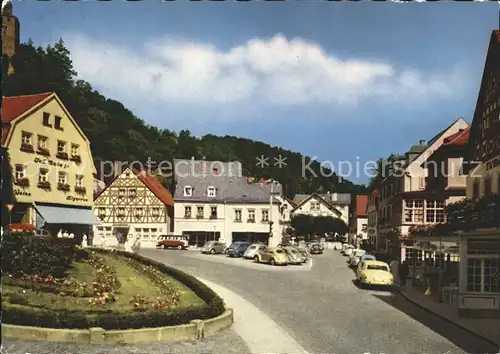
{"x": 214, "y": 306}
{"x": 23, "y": 253}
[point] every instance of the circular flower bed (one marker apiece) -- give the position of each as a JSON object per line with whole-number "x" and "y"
{"x": 54, "y": 284}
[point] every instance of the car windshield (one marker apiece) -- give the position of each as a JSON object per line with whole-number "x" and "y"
{"x": 293, "y": 251}
{"x": 377, "y": 267}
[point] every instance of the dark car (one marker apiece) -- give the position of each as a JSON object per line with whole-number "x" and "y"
{"x": 237, "y": 249}
{"x": 315, "y": 249}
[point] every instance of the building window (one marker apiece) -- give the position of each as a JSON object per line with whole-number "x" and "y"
{"x": 211, "y": 191}
{"x": 101, "y": 212}
{"x": 188, "y": 191}
{"x": 43, "y": 142}
{"x": 434, "y": 211}
{"x": 121, "y": 193}
{"x": 132, "y": 193}
{"x": 57, "y": 123}
{"x": 27, "y": 138}
{"x": 213, "y": 212}
{"x": 314, "y": 206}
{"x": 251, "y": 215}
{"x": 61, "y": 147}
{"x": 421, "y": 182}
{"x": 265, "y": 215}
{"x": 156, "y": 212}
{"x": 483, "y": 275}
{"x": 414, "y": 255}
{"x": 79, "y": 181}
{"x": 121, "y": 212}
{"x": 200, "y": 212}
{"x": 237, "y": 215}
{"x": 62, "y": 178}
{"x": 475, "y": 190}
{"x": 187, "y": 212}
{"x": 75, "y": 150}
{"x": 414, "y": 211}
{"x": 138, "y": 213}
{"x": 43, "y": 175}
{"x": 46, "y": 119}
{"x": 487, "y": 186}
{"x": 20, "y": 172}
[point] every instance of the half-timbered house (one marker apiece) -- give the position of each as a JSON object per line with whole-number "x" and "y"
{"x": 134, "y": 204}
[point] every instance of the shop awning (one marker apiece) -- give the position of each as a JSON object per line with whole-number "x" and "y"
{"x": 67, "y": 215}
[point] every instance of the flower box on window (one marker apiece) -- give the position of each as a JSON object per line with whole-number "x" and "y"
{"x": 81, "y": 190}
{"x": 199, "y": 216}
{"x": 187, "y": 216}
{"x": 63, "y": 186}
{"x": 27, "y": 148}
{"x": 213, "y": 216}
{"x": 237, "y": 220}
{"x": 62, "y": 155}
{"x": 251, "y": 220}
{"x": 76, "y": 158}
{"x": 44, "y": 185}
{"x": 43, "y": 151}
{"x": 22, "y": 182}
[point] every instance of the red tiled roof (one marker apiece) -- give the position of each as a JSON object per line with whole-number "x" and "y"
{"x": 361, "y": 205}
{"x": 14, "y": 106}
{"x": 156, "y": 187}
{"x": 458, "y": 139}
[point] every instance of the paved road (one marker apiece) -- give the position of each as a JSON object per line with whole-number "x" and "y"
{"x": 320, "y": 307}
{"x": 326, "y": 313}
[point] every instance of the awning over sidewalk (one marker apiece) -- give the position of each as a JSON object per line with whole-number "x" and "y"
{"x": 67, "y": 215}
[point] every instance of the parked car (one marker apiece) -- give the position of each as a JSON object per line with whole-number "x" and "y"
{"x": 294, "y": 256}
{"x": 237, "y": 249}
{"x": 271, "y": 255}
{"x": 315, "y": 249}
{"x": 172, "y": 241}
{"x": 355, "y": 253}
{"x": 310, "y": 244}
{"x": 305, "y": 253}
{"x": 374, "y": 273}
{"x": 213, "y": 247}
{"x": 253, "y": 249}
{"x": 348, "y": 250}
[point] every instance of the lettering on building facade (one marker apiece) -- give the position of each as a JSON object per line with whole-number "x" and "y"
{"x": 76, "y": 199}
{"x": 21, "y": 192}
{"x": 50, "y": 162}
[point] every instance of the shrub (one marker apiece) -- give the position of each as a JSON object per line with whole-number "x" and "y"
{"x": 151, "y": 317}
{"x": 23, "y": 253}
{"x": 18, "y": 299}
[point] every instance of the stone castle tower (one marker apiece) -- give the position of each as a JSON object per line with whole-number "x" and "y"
{"x": 10, "y": 32}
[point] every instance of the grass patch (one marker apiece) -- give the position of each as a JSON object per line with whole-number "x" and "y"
{"x": 133, "y": 283}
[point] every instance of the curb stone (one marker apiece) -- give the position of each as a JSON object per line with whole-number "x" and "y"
{"x": 397, "y": 289}
{"x": 196, "y": 329}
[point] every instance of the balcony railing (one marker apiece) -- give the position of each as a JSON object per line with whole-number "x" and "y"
{"x": 465, "y": 216}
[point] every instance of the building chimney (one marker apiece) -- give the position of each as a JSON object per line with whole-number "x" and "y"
{"x": 423, "y": 142}
{"x": 116, "y": 168}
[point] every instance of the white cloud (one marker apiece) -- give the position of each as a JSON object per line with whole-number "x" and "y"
{"x": 276, "y": 71}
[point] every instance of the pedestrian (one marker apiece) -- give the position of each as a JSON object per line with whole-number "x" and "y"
{"x": 404, "y": 271}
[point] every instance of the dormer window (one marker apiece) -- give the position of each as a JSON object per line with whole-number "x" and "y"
{"x": 211, "y": 191}
{"x": 188, "y": 191}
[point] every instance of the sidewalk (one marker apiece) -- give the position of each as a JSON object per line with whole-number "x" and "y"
{"x": 487, "y": 328}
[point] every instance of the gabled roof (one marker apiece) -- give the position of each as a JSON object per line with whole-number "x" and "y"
{"x": 292, "y": 203}
{"x": 150, "y": 182}
{"x": 321, "y": 199}
{"x": 156, "y": 187}
{"x": 460, "y": 138}
{"x": 14, "y": 106}
{"x": 361, "y": 206}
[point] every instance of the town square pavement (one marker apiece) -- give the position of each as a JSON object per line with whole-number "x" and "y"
{"x": 317, "y": 305}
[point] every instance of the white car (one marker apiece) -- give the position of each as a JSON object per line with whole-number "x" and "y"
{"x": 348, "y": 250}
{"x": 253, "y": 249}
{"x": 355, "y": 256}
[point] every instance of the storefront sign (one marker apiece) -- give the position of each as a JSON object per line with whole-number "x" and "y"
{"x": 76, "y": 199}
{"x": 22, "y": 192}
{"x": 50, "y": 162}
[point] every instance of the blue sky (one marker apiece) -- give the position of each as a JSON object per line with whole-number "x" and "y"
{"x": 340, "y": 81}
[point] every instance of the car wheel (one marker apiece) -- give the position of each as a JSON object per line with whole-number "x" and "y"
{"x": 256, "y": 259}
{"x": 212, "y": 251}
{"x": 164, "y": 247}
{"x": 272, "y": 262}
{"x": 179, "y": 247}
